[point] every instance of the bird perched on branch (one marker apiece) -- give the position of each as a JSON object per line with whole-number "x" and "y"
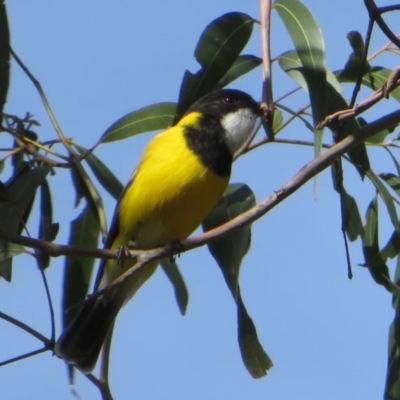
{"x": 182, "y": 174}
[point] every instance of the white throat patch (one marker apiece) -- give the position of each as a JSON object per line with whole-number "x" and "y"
{"x": 239, "y": 126}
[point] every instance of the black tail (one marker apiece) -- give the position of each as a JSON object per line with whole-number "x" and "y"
{"x": 82, "y": 340}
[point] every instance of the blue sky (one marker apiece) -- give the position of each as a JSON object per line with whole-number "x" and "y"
{"x": 327, "y": 336}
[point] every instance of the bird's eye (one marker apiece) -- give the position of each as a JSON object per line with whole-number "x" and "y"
{"x": 230, "y": 101}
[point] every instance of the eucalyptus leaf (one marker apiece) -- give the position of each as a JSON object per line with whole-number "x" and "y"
{"x": 174, "y": 275}
{"x": 151, "y": 118}
{"x": 219, "y": 46}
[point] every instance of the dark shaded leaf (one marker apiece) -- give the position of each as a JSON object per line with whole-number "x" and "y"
{"x": 242, "y": 65}
{"x": 392, "y": 387}
{"x": 219, "y": 46}
{"x": 375, "y": 78}
{"x": 47, "y": 229}
{"x": 103, "y": 174}
{"x": 151, "y": 118}
{"x": 174, "y": 275}
{"x": 392, "y": 180}
{"x": 85, "y": 188}
{"x": 376, "y": 265}
{"x": 229, "y": 252}
{"x": 14, "y": 211}
{"x": 84, "y": 232}
{"x": 386, "y": 197}
{"x": 354, "y": 227}
{"x": 4, "y": 57}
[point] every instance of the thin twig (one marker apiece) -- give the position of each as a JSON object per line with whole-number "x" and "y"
{"x": 26, "y": 328}
{"x": 23, "y": 356}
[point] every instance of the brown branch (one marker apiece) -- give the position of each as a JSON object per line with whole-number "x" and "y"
{"x": 23, "y": 356}
{"x": 147, "y": 256}
{"x": 392, "y": 83}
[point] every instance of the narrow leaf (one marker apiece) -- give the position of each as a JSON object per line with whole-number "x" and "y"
{"x": 151, "y": 118}
{"x": 242, "y": 65}
{"x": 174, "y": 275}
{"x": 354, "y": 227}
{"x": 219, "y": 46}
{"x": 392, "y": 387}
{"x": 386, "y": 197}
{"x": 376, "y": 266}
{"x": 229, "y": 252}
{"x": 254, "y": 357}
{"x": 307, "y": 38}
{"x": 103, "y": 174}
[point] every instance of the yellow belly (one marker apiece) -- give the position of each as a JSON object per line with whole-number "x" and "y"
{"x": 170, "y": 195}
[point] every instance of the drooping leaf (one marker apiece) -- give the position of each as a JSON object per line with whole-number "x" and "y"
{"x": 47, "y": 229}
{"x": 174, "y": 275}
{"x": 4, "y": 56}
{"x": 13, "y": 212}
{"x": 219, "y": 46}
{"x": 85, "y": 188}
{"x": 358, "y": 155}
{"x": 104, "y": 175}
{"x": 229, "y": 252}
{"x": 392, "y": 387}
{"x": 392, "y": 180}
{"x": 307, "y": 38}
{"x": 242, "y": 65}
{"x": 84, "y": 232}
{"x": 151, "y": 118}
{"x": 354, "y": 227}
{"x": 386, "y": 197}
{"x": 376, "y": 265}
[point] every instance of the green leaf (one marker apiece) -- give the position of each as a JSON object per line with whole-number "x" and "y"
{"x": 354, "y": 227}
{"x": 219, "y": 46}
{"x": 84, "y": 232}
{"x": 85, "y": 188}
{"x": 278, "y": 120}
{"x": 358, "y": 155}
{"x": 392, "y": 387}
{"x": 307, "y": 38}
{"x": 254, "y": 357}
{"x": 392, "y": 180}
{"x": 386, "y": 197}
{"x": 4, "y": 57}
{"x": 289, "y": 62}
{"x": 47, "y": 229}
{"x": 151, "y": 118}
{"x": 377, "y": 267}
{"x": 174, "y": 275}
{"x": 7, "y": 252}
{"x": 394, "y": 159}
{"x": 242, "y": 65}
{"x": 14, "y": 211}
{"x": 103, "y": 174}
{"x": 229, "y": 252}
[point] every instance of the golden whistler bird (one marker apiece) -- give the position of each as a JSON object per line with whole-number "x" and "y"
{"x": 183, "y": 173}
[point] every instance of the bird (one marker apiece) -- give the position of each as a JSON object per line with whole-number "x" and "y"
{"x": 182, "y": 174}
